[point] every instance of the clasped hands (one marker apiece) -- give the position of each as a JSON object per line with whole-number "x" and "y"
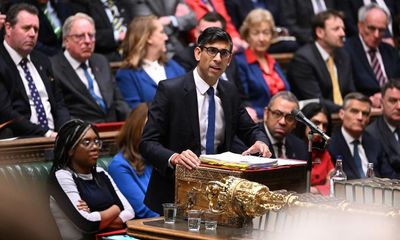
{"x": 189, "y": 159}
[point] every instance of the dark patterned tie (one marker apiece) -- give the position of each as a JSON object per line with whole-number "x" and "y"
{"x": 376, "y": 67}
{"x": 37, "y": 101}
{"x": 90, "y": 80}
{"x": 210, "y": 137}
{"x": 397, "y": 131}
{"x": 280, "y": 150}
{"x": 357, "y": 158}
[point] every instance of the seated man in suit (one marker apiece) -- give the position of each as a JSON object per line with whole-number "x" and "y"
{"x": 374, "y": 62}
{"x": 195, "y": 114}
{"x": 354, "y": 144}
{"x": 186, "y": 57}
{"x": 85, "y": 77}
{"x": 322, "y": 69}
{"x": 386, "y": 128}
{"x": 278, "y": 125}
{"x": 30, "y": 98}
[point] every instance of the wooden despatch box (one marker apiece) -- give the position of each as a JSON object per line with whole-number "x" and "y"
{"x": 190, "y": 185}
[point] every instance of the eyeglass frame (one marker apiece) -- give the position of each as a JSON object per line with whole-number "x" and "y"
{"x": 89, "y": 143}
{"x": 373, "y": 29}
{"x": 277, "y": 114}
{"x": 218, "y": 51}
{"x": 81, "y": 37}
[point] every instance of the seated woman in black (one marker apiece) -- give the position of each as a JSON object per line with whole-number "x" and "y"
{"x": 84, "y": 199}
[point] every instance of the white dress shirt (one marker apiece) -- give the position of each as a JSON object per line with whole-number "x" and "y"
{"x": 202, "y": 104}
{"x": 155, "y": 70}
{"x": 274, "y": 142}
{"x": 349, "y": 141}
{"x": 39, "y": 86}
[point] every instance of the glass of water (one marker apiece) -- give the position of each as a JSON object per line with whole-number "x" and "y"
{"x": 194, "y": 220}
{"x": 210, "y": 220}
{"x": 169, "y": 212}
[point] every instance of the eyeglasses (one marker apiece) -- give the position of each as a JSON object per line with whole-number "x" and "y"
{"x": 374, "y": 29}
{"x": 87, "y": 143}
{"x": 277, "y": 115}
{"x": 82, "y": 37}
{"x": 212, "y": 51}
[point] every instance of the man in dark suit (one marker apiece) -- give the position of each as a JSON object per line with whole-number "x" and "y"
{"x": 386, "y": 128}
{"x": 278, "y": 125}
{"x": 298, "y": 15}
{"x": 195, "y": 114}
{"x": 83, "y": 93}
{"x": 322, "y": 69}
{"x": 30, "y": 97}
{"x": 374, "y": 62}
{"x": 354, "y": 144}
{"x": 111, "y": 24}
{"x": 186, "y": 57}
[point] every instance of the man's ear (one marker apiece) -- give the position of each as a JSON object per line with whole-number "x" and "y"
{"x": 341, "y": 113}
{"x": 197, "y": 53}
{"x": 319, "y": 32}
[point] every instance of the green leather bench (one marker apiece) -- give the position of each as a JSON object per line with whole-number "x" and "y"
{"x": 35, "y": 172}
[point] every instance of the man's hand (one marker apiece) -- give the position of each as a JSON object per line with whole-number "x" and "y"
{"x": 181, "y": 10}
{"x": 187, "y": 159}
{"x": 165, "y": 20}
{"x": 258, "y": 147}
{"x": 2, "y": 20}
{"x": 376, "y": 100}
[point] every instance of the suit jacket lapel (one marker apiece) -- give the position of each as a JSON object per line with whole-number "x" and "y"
{"x": 347, "y": 154}
{"x": 322, "y": 68}
{"x": 190, "y": 102}
{"x": 101, "y": 80}
{"x": 363, "y": 58}
{"x": 227, "y": 107}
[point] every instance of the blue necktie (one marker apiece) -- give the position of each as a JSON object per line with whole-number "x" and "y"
{"x": 357, "y": 159}
{"x": 211, "y": 122}
{"x": 97, "y": 98}
{"x": 37, "y": 101}
{"x": 397, "y": 131}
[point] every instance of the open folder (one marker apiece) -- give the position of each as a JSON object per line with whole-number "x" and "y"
{"x": 238, "y": 161}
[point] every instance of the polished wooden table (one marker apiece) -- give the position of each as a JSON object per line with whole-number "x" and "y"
{"x": 155, "y": 228}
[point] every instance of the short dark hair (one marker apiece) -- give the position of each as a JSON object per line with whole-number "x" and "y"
{"x": 286, "y": 95}
{"x": 15, "y": 9}
{"x": 355, "y": 96}
{"x": 319, "y": 20}
{"x": 214, "y": 34}
{"x": 393, "y": 83}
{"x": 214, "y": 17}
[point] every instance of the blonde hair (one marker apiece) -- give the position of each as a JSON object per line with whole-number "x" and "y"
{"x": 254, "y": 18}
{"x": 134, "y": 46}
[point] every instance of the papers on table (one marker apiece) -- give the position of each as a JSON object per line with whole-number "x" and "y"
{"x": 233, "y": 160}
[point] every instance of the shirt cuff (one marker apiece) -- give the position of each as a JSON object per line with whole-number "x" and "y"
{"x": 48, "y": 133}
{"x": 169, "y": 160}
{"x": 126, "y": 215}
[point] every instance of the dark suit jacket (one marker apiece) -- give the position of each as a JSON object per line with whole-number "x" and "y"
{"x": 105, "y": 42}
{"x": 391, "y": 147}
{"x": 173, "y": 126}
{"x": 309, "y": 77}
{"x": 351, "y": 7}
{"x": 295, "y": 148}
{"x": 77, "y": 97}
{"x": 363, "y": 75}
{"x": 187, "y": 60}
{"x": 298, "y": 15}
{"x": 14, "y": 100}
{"x": 373, "y": 150}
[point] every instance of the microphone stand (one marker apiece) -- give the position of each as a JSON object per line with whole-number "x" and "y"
{"x": 309, "y": 161}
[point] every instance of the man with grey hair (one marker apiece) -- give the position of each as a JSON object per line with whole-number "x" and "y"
{"x": 85, "y": 77}
{"x": 353, "y": 143}
{"x": 278, "y": 125}
{"x": 374, "y": 62}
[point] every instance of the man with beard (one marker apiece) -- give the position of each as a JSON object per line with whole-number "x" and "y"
{"x": 85, "y": 77}
{"x": 322, "y": 69}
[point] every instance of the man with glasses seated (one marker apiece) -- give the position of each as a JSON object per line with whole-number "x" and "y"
{"x": 85, "y": 77}
{"x": 195, "y": 114}
{"x": 374, "y": 62}
{"x": 278, "y": 125}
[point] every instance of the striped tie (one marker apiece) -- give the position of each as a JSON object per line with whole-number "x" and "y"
{"x": 376, "y": 67}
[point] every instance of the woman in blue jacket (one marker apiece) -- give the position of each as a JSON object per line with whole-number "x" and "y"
{"x": 260, "y": 74}
{"x": 145, "y": 62}
{"x": 128, "y": 169}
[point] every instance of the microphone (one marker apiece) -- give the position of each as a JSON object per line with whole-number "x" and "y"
{"x": 301, "y": 118}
